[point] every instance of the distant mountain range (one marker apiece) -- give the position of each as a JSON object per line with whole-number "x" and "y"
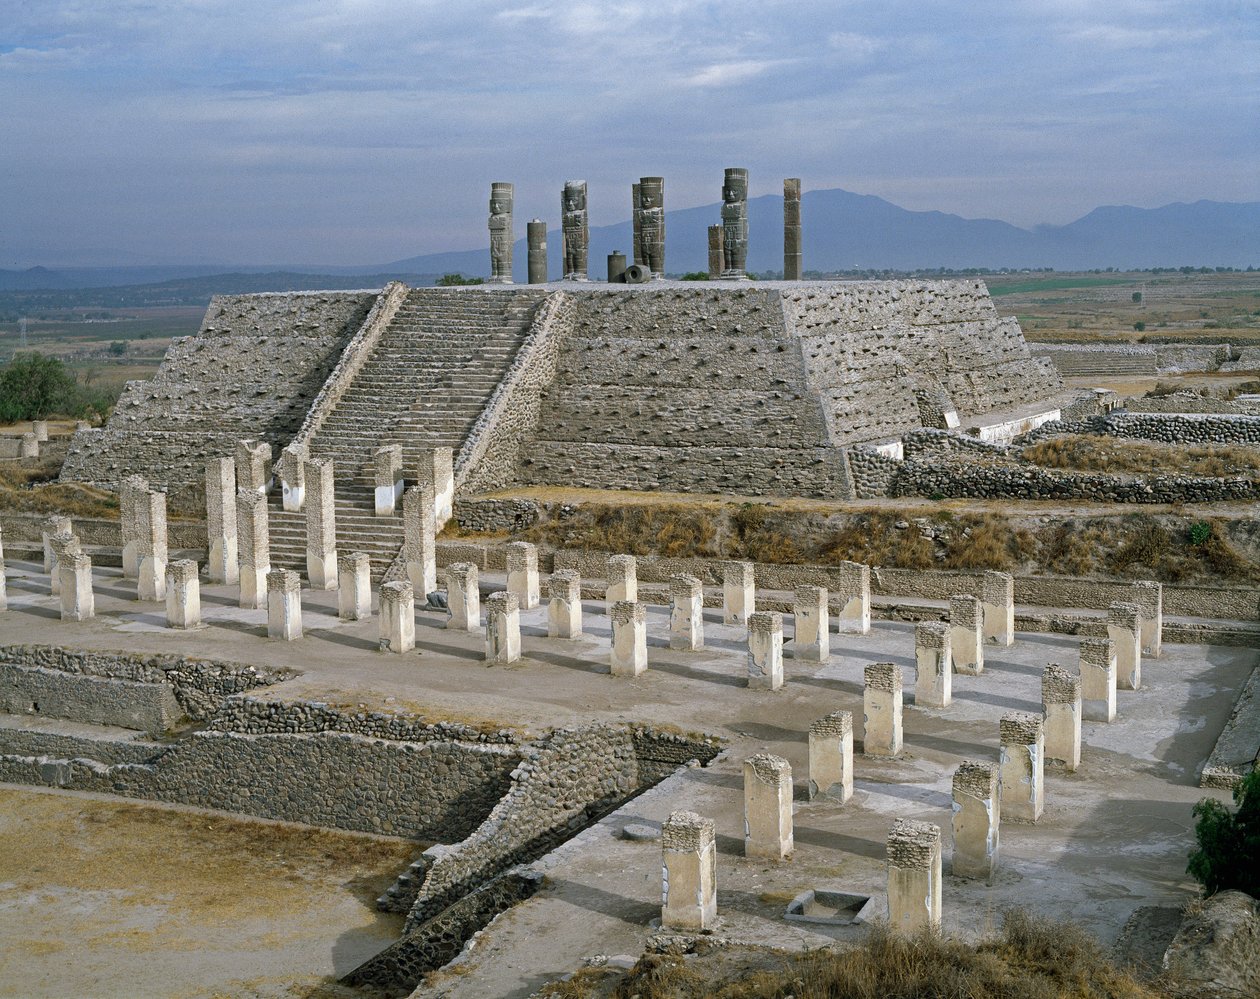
{"x": 842, "y": 231}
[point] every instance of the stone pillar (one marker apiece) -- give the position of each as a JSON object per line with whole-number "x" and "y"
{"x": 686, "y": 613}
{"x": 130, "y": 496}
{"x": 221, "y": 520}
{"x": 321, "y": 524}
{"x": 253, "y": 466}
{"x": 1124, "y": 628}
{"x": 463, "y": 597}
{"x": 77, "y": 601}
{"x": 4, "y": 597}
{"x": 62, "y": 546}
{"x": 503, "y": 627}
{"x": 183, "y": 595}
{"x": 437, "y": 465}
{"x": 811, "y": 628}
{"x": 40, "y": 429}
{"x": 501, "y": 236}
{"x": 51, "y": 528}
{"x": 564, "y": 612}
{"x": 635, "y": 234}
{"x": 715, "y": 252}
{"x": 977, "y": 816}
{"x": 574, "y": 230}
{"x": 629, "y": 638}
{"x": 28, "y": 447}
{"x": 616, "y": 267}
{"x": 966, "y": 634}
{"x": 1098, "y": 679}
{"x": 997, "y": 594}
{"x": 623, "y": 580}
{"x": 855, "y": 598}
{"x": 284, "y": 605}
{"x": 536, "y": 247}
{"x": 397, "y": 617}
{"x": 651, "y": 218}
{"x": 151, "y": 582}
{"x": 1061, "y": 702}
{"x": 255, "y": 548}
{"x": 739, "y": 595}
{"x": 765, "y": 651}
{"x": 831, "y": 756}
{"x": 522, "y": 573}
{"x": 419, "y": 539}
{"x": 293, "y": 477}
{"x": 689, "y": 870}
{"x": 735, "y": 223}
{"x": 881, "y": 710}
{"x": 914, "y": 876}
{"x": 767, "y": 807}
{"x": 792, "y": 229}
{"x": 933, "y": 680}
{"x": 1150, "y": 597}
{"x": 387, "y": 475}
{"x": 354, "y": 586}
{"x": 1023, "y": 756}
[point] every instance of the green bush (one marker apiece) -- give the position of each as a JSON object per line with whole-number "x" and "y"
{"x": 1200, "y": 532}
{"x": 1228, "y": 854}
{"x": 455, "y": 280}
{"x": 33, "y": 387}
{"x": 117, "y": 348}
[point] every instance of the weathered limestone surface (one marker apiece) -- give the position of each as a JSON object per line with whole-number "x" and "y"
{"x": 152, "y": 547}
{"x": 436, "y": 465}
{"x": 419, "y": 538}
{"x": 854, "y": 591}
{"x": 1149, "y": 597}
{"x": 293, "y": 477}
{"x": 131, "y": 493}
{"x": 998, "y": 599}
{"x": 28, "y": 446}
{"x": 629, "y": 638}
{"x": 623, "y": 580}
{"x": 715, "y": 252}
{"x": 811, "y": 638}
{"x": 255, "y": 548}
{"x": 397, "y": 617}
{"x": 831, "y": 756}
{"x": 77, "y": 600}
{"x": 765, "y": 650}
{"x": 564, "y": 610}
{"x": 463, "y": 597}
{"x": 1098, "y": 679}
{"x": 689, "y": 870}
{"x": 253, "y": 466}
{"x": 536, "y": 250}
{"x": 966, "y": 634}
{"x": 1124, "y": 628}
{"x": 183, "y": 595}
{"x": 686, "y": 612}
{"x": 1061, "y": 703}
{"x": 1023, "y": 755}
{"x": 522, "y": 573}
{"x": 767, "y": 807}
{"x": 739, "y": 594}
{"x": 221, "y": 520}
{"x": 321, "y": 524}
{"x": 792, "y": 258}
{"x": 933, "y": 680}
{"x": 503, "y": 628}
{"x": 387, "y": 470}
{"x": 59, "y": 541}
{"x": 354, "y": 586}
{"x": 977, "y": 816}
{"x": 881, "y": 710}
{"x": 284, "y": 605}
{"x": 914, "y": 876}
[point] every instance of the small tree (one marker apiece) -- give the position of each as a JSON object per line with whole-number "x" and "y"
{"x": 1228, "y": 854}
{"x": 33, "y": 386}
{"x": 455, "y": 280}
{"x": 1137, "y": 298}
{"x": 1139, "y": 326}
{"x": 117, "y": 348}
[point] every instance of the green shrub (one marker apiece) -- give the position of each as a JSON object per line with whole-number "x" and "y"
{"x": 33, "y": 387}
{"x": 1199, "y": 532}
{"x": 1228, "y": 854}
{"x": 456, "y": 280}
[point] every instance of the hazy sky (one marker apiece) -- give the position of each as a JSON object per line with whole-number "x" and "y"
{"x": 363, "y": 131}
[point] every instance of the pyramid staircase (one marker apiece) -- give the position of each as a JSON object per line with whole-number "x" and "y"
{"x": 425, "y": 384}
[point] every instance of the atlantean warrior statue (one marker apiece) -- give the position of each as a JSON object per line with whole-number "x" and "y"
{"x": 574, "y": 230}
{"x": 500, "y": 233}
{"x": 792, "y": 229}
{"x": 650, "y": 214}
{"x": 734, "y": 223}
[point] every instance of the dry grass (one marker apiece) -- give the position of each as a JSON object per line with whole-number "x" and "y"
{"x": 668, "y": 530}
{"x": 1097, "y": 453}
{"x": 30, "y": 487}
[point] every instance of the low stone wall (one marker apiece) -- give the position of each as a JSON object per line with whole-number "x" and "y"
{"x": 93, "y": 531}
{"x": 1165, "y": 428}
{"x": 147, "y": 707}
{"x": 934, "y": 444}
{"x": 872, "y": 472}
{"x": 493, "y": 516}
{"x": 57, "y": 746}
{"x": 1080, "y": 360}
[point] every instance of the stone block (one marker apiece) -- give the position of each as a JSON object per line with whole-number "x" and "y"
{"x": 354, "y": 586}
{"x": 564, "y": 611}
{"x": 881, "y": 710}
{"x": 503, "y": 628}
{"x": 623, "y": 580}
{"x": 854, "y": 592}
{"x": 77, "y": 600}
{"x": 284, "y": 605}
{"x": 966, "y": 634}
{"x": 689, "y": 871}
{"x": 60, "y": 546}
{"x": 463, "y": 597}
{"x": 420, "y": 539}
{"x": 152, "y": 551}
{"x": 293, "y": 477}
{"x": 52, "y": 527}
{"x": 997, "y": 594}
{"x": 130, "y": 494}
{"x": 1061, "y": 703}
{"x": 811, "y": 629}
{"x": 522, "y": 573}
{"x": 914, "y": 876}
{"x": 254, "y": 550}
{"x": 320, "y": 501}
{"x": 437, "y": 467}
{"x": 1150, "y": 597}
{"x": 397, "y": 617}
{"x": 831, "y": 756}
{"x": 1098, "y": 679}
{"x": 933, "y": 683}
{"x": 629, "y": 638}
{"x": 1124, "y": 628}
{"x": 221, "y": 538}
{"x": 976, "y": 820}
{"x": 253, "y": 466}
{"x": 765, "y": 650}
{"x": 28, "y": 446}
{"x": 387, "y": 475}
{"x": 739, "y": 595}
{"x": 1023, "y": 755}
{"x": 767, "y": 807}
{"x": 686, "y": 613}
{"x": 183, "y": 594}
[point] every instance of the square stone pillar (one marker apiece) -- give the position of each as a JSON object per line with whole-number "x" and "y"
{"x": 77, "y": 601}
{"x": 629, "y": 638}
{"x": 221, "y": 521}
{"x": 933, "y": 682}
{"x": 463, "y": 597}
{"x": 689, "y": 869}
{"x": 1124, "y": 628}
{"x": 151, "y": 572}
{"x": 522, "y": 573}
{"x": 831, "y": 756}
{"x": 292, "y": 466}
{"x": 997, "y": 594}
{"x": 855, "y": 598}
{"x": 1023, "y": 756}
{"x": 564, "y": 612}
{"x": 739, "y": 595}
{"x": 503, "y": 628}
{"x": 183, "y": 595}
{"x": 284, "y": 605}
{"x": 253, "y": 466}
{"x": 437, "y": 466}
{"x": 767, "y": 807}
{"x": 914, "y": 876}
{"x": 255, "y": 547}
{"x": 811, "y": 630}
{"x": 397, "y": 617}
{"x": 1098, "y": 679}
{"x": 40, "y": 429}
{"x": 130, "y": 494}
{"x": 320, "y": 500}
{"x": 1061, "y": 702}
{"x": 765, "y": 650}
{"x": 1150, "y": 597}
{"x": 420, "y": 539}
{"x": 686, "y": 613}
{"x": 4, "y": 598}
{"x": 62, "y": 546}
{"x": 966, "y": 634}
{"x": 28, "y": 446}
{"x": 977, "y": 816}
{"x": 51, "y": 528}
{"x": 623, "y": 580}
{"x": 354, "y": 586}
{"x": 388, "y": 477}
{"x": 881, "y": 710}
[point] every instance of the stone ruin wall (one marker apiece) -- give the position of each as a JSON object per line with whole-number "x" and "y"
{"x": 251, "y": 372}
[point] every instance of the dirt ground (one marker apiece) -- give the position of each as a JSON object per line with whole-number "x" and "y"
{"x": 102, "y": 897}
